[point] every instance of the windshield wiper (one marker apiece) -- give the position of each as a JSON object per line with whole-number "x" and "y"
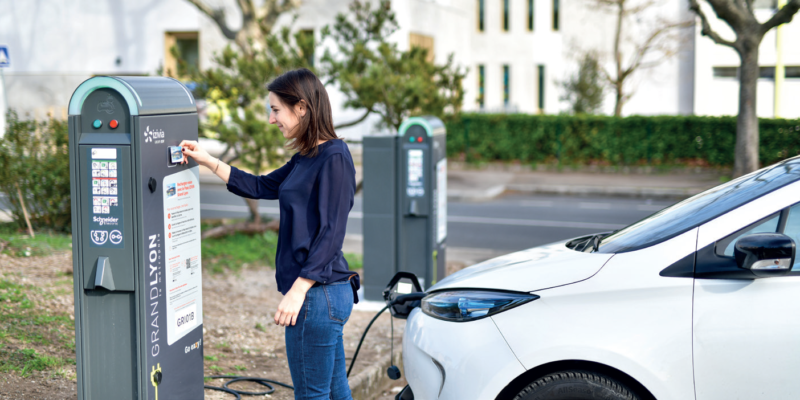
{"x": 588, "y": 244}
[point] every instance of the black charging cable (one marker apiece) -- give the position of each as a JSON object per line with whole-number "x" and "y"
{"x": 268, "y": 382}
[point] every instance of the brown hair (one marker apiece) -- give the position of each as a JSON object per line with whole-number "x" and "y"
{"x": 302, "y": 85}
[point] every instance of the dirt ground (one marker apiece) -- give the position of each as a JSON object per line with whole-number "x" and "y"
{"x": 239, "y": 337}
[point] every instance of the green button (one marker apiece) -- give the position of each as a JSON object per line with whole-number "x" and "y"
{"x": 411, "y": 139}
{"x": 97, "y": 124}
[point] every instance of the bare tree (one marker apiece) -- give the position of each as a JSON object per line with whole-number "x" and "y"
{"x": 651, "y": 47}
{"x": 257, "y": 22}
{"x": 738, "y": 14}
{"x": 241, "y": 84}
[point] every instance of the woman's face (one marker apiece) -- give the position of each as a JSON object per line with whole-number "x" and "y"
{"x": 283, "y": 116}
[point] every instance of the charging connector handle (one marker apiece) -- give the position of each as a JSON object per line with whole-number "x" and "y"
{"x": 408, "y": 297}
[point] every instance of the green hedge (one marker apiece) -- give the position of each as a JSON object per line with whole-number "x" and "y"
{"x": 635, "y": 140}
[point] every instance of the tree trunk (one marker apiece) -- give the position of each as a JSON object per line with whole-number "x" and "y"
{"x": 618, "y": 84}
{"x": 746, "y": 160}
{"x": 252, "y": 204}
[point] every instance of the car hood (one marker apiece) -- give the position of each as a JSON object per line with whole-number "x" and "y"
{"x": 528, "y": 270}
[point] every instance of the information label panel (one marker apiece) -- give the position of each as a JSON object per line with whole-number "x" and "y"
{"x": 184, "y": 284}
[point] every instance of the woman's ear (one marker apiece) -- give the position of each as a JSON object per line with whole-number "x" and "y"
{"x": 300, "y": 108}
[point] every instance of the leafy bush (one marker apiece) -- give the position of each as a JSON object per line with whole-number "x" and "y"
{"x": 35, "y": 158}
{"x": 594, "y": 139}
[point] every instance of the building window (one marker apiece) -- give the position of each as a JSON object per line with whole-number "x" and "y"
{"x": 423, "y": 42}
{"x": 481, "y": 85}
{"x": 541, "y": 88}
{"x": 555, "y": 14}
{"x": 506, "y": 85}
{"x": 767, "y": 72}
{"x": 725, "y": 72}
{"x": 530, "y": 15}
{"x": 481, "y": 12}
{"x": 181, "y": 44}
{"x": 505, "y": 15}
{"x": 305, "y": 42}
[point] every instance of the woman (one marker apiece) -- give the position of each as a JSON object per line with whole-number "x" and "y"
{"x": 315, "y": 191}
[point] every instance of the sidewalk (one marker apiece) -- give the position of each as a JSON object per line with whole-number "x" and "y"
{"x": 482, "y": 185}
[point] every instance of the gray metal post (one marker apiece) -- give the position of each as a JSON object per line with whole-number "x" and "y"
{"x": 405, "y": 204}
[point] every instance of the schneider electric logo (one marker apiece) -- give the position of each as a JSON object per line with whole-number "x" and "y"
{"x": 155, "y": 135}
{"x": 106, "y": 220}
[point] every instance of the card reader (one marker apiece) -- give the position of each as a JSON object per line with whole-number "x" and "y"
{"x": 175, "y": 155}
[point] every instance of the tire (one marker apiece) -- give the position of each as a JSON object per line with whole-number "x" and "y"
{"x": 575, "y": 385}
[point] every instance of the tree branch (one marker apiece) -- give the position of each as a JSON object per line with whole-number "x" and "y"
{"x": 217, "y": 15}
{"x": 783, "y": 16}
{"x": 356, "y": 122}
{"x": 637, "y": 60}
{"x": 706, "y": 27}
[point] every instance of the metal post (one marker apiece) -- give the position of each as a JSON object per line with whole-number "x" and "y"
{"x": 779, "y": 68}
{"x": 4, "y": 108}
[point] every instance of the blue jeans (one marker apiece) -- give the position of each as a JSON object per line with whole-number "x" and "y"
{"x": 314, "y": 344}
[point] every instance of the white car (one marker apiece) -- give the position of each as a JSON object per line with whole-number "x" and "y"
{"x": 698, "y": 301}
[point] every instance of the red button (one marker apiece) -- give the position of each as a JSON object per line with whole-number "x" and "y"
{"x": 419, "y": 139}
{"x": 113, "y": 124}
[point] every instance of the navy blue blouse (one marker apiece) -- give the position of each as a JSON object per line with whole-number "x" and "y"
{"x": 315, "y": 196}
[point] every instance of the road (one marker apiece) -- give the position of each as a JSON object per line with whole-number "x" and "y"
{"x": 508, "y": 223}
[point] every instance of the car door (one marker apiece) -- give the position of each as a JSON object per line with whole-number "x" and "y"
{"x": 746, "y": 332}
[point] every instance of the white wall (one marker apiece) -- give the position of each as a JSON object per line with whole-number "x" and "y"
{"x": 55, "y": 45}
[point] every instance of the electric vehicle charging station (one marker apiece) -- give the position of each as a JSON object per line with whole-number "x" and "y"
{"x": 136, "y": 240}
{"x": 405, "y": 204}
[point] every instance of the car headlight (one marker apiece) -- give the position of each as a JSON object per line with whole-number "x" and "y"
{"x": 471, "y": 305}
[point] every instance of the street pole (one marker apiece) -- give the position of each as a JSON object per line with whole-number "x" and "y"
{"x": 4, "y": 106}
{"x": 779, "y": 68}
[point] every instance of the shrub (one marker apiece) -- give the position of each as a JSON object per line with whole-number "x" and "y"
{"x": 35, "y": 158}
{"x": 634, "y": 140}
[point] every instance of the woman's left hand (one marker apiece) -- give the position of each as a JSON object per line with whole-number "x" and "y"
{"x": 292, "y": 303}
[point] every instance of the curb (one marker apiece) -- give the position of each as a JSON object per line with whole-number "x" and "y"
{"x": 369, "y": 384}
{"x": 604, "y": 190}
{"x": 475, "y": 195}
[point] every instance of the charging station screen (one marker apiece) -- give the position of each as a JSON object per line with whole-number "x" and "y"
{"x": 415, "y": 186}
{"x": 184, "y": 284}
{"x": 106, "y": 211}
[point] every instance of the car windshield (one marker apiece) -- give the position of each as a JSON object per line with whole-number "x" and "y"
{"x": 697, "y": 210}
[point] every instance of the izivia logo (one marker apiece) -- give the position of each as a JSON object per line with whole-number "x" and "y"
{"x": 154, "y": 134}
{"x": 106, "y": 105}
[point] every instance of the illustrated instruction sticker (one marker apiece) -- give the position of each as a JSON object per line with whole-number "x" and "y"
{"x": 183, "y": 276}
{"x": 106, "y": 225}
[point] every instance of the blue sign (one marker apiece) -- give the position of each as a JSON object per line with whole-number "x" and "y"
{"x": 5, "y": 61}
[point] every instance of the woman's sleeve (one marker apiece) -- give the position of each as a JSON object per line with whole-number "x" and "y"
{"x": 258, "y": 187}
{"x": 336, "y": 191}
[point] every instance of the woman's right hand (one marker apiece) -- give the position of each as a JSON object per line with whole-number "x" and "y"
{"x": 193, "y": 149}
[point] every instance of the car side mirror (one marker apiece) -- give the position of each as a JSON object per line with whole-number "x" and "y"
{"x": 765, "y": 254}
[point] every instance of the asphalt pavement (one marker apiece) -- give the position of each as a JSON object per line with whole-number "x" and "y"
{"x": 482, "y": 230}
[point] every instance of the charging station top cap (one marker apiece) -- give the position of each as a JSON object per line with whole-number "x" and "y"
{"x": 144, "y": 95}
{"x": 432, "y": 125}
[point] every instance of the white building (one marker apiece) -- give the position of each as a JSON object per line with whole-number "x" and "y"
{"x": 516, "y": 51}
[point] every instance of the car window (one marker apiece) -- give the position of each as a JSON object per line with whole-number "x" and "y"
{"x": 701, "y": 208}
{"x": 792, "y": 230}
{"x": 768, "y": 226}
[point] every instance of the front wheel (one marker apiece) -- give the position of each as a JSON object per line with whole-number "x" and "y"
{"x": 575, "y": 385}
